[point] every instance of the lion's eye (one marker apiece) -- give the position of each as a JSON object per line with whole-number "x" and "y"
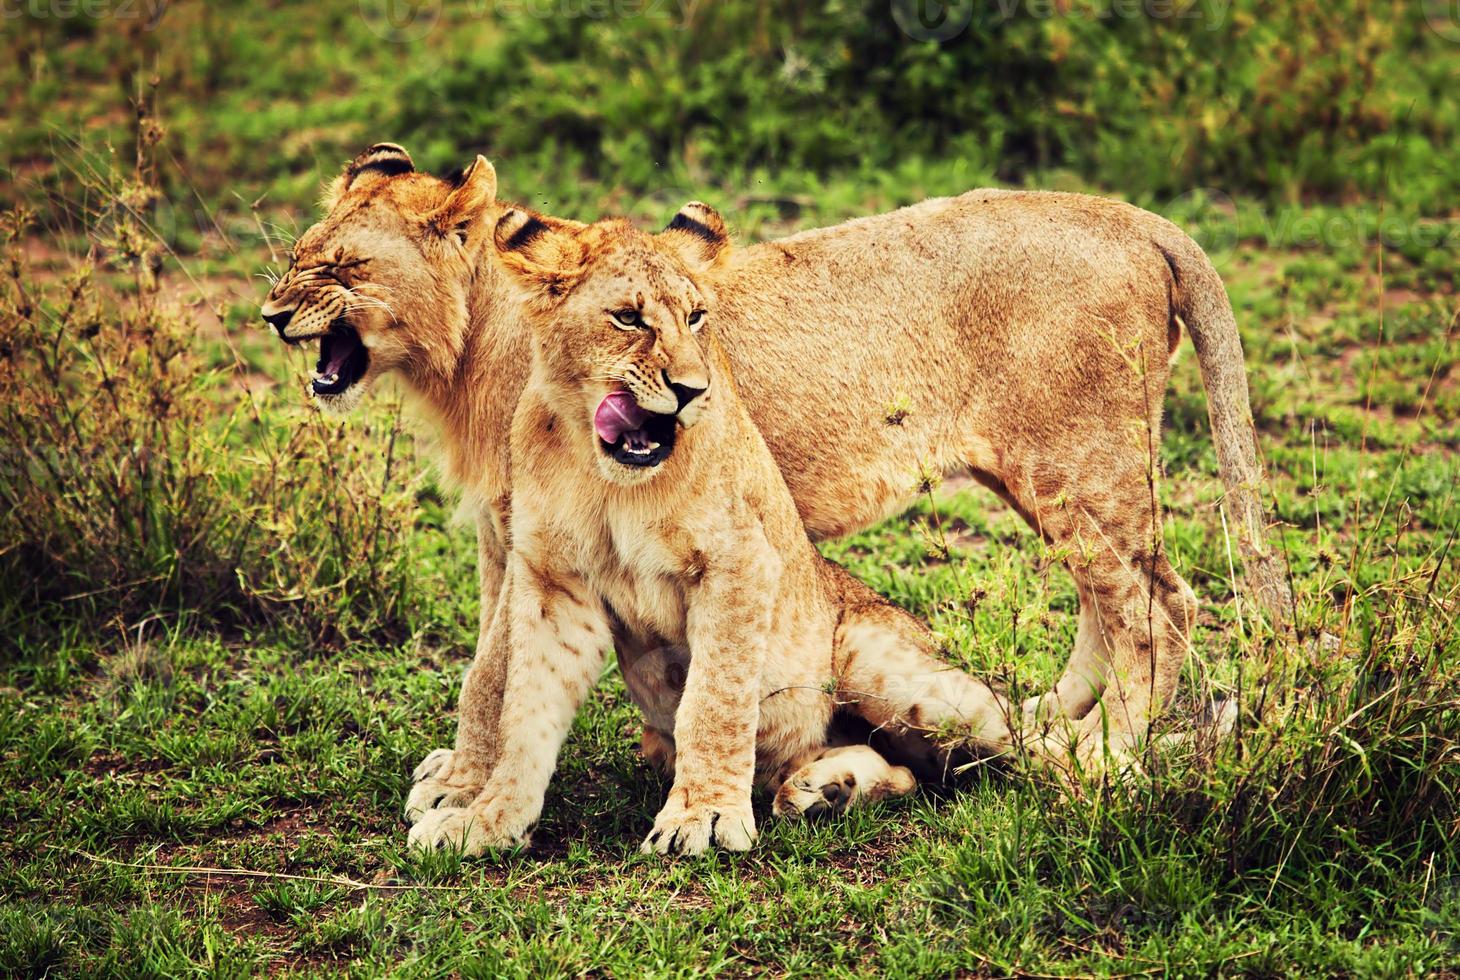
{"x": 697, "y": 319}
{"x": 628, "y": 319}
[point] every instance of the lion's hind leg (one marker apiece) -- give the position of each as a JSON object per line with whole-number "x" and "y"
{"x": 889, "y": 676}
{"x": 834, "y": 780}
{"x": 1085, "y": 676}
{"x": 656, "y": 747}
{"x": 1136, "y": 612}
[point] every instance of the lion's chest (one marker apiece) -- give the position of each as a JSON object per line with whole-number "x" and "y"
{"x": 638, "y": 569}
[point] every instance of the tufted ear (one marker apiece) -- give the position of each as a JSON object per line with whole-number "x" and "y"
{"x": 541, "y": 253}
{"x": 698, "y": 234}
{"x": 474, "y": 190}
{"x": 385, "y": 159}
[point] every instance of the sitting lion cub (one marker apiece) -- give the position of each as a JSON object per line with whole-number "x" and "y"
{"x": 647, "y": 506}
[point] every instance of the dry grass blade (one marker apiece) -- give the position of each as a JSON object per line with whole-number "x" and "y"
{"x": 336, "y": 880}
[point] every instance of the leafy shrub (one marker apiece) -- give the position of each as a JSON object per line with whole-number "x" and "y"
{"x": 1289, "y": 102}
{"x": 134, "y": 479}
{"x": 1299, "y": 99}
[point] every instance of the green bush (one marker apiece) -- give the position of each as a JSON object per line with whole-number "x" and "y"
{"x": 1287, "y": 101}
{"x": 135, "y": 479}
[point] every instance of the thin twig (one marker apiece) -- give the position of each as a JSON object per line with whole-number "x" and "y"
{"x": 336, "y": 880}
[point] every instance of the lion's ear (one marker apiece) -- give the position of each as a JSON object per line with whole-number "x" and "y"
{"x": 698, "y": 234}
{"x": 384, "y": 159}
{"x": 544, "y": 254}
{"x": 473, "y": 191}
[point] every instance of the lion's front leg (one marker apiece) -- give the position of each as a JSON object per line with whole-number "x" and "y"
{"x": 559, "y": 638}
{"x": 728, "y": 617}
{"x": 453, "y": 777}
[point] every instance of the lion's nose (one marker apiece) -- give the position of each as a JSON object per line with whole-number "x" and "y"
{"x": 685, "y": 394}
{"x": 279, "y": 320}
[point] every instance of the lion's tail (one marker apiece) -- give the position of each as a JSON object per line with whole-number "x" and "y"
{"x": 1199, "y": 298}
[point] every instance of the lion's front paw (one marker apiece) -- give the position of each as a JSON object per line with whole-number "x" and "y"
{"x": 439, "y": 785}
{"x": 693, "y": 830}
{"x": 430, "y": 795}
{"x": 472, "y": 830}
{"x": 1042, "y": 709}
{"x": 435, "y": 761}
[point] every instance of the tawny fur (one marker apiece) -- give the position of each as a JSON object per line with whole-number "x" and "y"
{"x": 1026, "y": 335}
{"x": 704, "y": 552}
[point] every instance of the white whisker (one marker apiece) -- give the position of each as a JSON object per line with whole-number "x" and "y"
{"x": 358, "y": 302}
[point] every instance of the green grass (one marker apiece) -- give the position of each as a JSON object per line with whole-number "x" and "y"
{"x": 158, "y": 739}
{"x": 125, "y": 758}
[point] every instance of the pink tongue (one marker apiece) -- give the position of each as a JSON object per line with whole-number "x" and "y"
{"x": 339, "y": 350}
{"x": 618, "y": 413}
{"x": 337, "y": 360}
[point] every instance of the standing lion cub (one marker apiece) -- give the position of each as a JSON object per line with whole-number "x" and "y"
{"x": 646, "y": 504}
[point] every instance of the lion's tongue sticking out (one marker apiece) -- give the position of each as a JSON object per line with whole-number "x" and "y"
{"x": 617, "y": 414}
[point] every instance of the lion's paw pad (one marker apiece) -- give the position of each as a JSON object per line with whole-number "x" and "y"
{"x": 840, "y": 779}
{"x": 801, "y": 797}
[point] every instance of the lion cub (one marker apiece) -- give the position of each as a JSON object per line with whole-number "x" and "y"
{"x": 645, "y": 506}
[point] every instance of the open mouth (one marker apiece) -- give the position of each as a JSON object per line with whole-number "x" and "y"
{"x": 630, "y": 434}
{"x": 342, "y": 360}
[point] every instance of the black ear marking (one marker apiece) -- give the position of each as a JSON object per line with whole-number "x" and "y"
{"x": 394, "y": 149}
{"x": 524, "y": 234}
{"x": 539, "y": 252}
{"x": 389, "y": 166}
{"x": 683, "y": 222}
{"x": 388, "y": 159}
{"x": 700, "y": 231}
